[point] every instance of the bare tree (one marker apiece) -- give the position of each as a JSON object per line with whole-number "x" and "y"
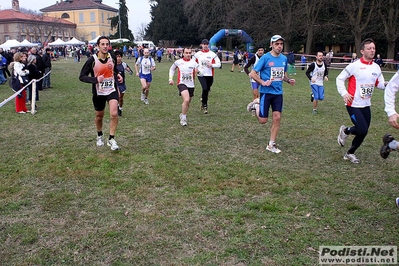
{"x": 310, "y": 20}
{"x": 358, "y": 14}
{"x": 388, "y": 11}
{"x": 282, "y": 13}
{"x": 43, "y": 28}
{"x": 140, "y": 33}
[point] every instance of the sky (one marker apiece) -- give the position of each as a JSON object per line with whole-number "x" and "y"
{"x": 139, "y": 10}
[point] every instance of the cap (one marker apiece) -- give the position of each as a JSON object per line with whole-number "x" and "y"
{"x": 205, "y": 41}
{"x": 276, "y": 38}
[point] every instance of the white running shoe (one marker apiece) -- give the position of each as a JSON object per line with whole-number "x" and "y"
{"x": 112, "y": 143}
{"x": 251, "y": 105}
{"x": 183, "y": 120}
{"x": 342, "y": 136}
{"x": 146, "y": 101}
{"x": 351, "y": 157}
{"x": 100, "y": 141}
{"x": 273, "y": 148}
{"x": 142, "y": 97}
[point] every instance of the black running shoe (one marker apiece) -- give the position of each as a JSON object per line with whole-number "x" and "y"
{"x": 385, "y": 150}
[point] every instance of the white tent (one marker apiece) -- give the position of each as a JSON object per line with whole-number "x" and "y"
{"x": 94, "y": 41}
{"x": 74, "y": 41}
{"x": 10, "y": 44}
{"x": 27, "y": 43}
{"x": 57, "y": 42}
{"x": 120, "y": 40}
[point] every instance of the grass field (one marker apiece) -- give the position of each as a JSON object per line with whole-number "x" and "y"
{"x": 205, "y": 194}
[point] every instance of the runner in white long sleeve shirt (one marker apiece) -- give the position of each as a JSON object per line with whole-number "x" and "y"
{"x": 389, "y": 143}
{"x": 207, "y": 61}
{"x": 187, "y": 69}
{"x": 363, "y": 76}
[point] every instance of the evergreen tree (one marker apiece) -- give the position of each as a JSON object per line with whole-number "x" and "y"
{"x": 123, "y": 31}
{"x": 169, "y": 23}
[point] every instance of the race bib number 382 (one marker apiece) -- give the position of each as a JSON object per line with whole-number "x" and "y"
{"x": 366, "y": 90}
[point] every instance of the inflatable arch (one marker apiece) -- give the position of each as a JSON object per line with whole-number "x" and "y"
{"x": 231, "y": 32}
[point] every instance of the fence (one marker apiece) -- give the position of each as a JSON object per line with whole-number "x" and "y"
{"x": 33, "y": 100}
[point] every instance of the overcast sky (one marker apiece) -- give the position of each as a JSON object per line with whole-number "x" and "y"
{"x": 139, "y": 10}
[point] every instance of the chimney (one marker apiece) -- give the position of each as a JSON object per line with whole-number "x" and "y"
{"x": 15, "y": 5}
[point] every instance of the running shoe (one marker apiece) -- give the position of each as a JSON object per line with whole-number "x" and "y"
{"x": 205, "y": 110}
{"x": 342, "y": 136}
{"x": 146, "y": 101}
{"x": 183, "y": 120}
{"x": 351, "y": 157}
{"x": 314, "y": 111}
{"x": 251, "y": 106}
{"x": 112, "y": 143}
{"x": 397, "y": 202}
{"x": 100, "y": 141}
{"x": 273, "y": 148}
{"x": 385, "y": 150}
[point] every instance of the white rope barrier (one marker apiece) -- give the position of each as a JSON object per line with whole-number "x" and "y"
{"x": 33, "y": 100}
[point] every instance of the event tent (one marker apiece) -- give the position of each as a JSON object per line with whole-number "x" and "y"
{"x": 57, "y": 42}
{"x": 10, "y": 44}
{"x": 27, "y": 43}
{"x": 120, "y": 40}
{"x": 74, "y": 41}
{"x": 94, "y": 41}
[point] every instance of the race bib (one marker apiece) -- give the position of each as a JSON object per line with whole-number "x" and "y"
{"x": 366, "y": 90}
{"x": 187, "y": 77}
{"x": 204, "y": 63}
{"x": 277, "y": 73}
{"x": 106, "y": 87}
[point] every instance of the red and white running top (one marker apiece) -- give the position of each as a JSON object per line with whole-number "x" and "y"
{"x": 207, "y": 61}
{"x": 186, "y": 69}
{"x": 363, "y": 77}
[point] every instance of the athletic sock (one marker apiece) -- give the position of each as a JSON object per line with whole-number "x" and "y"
{"x": 111, "y": 137}
{"x": 271, "y": 143}
{"x": 393, "y": 145}
{"x": 99, "y": 133}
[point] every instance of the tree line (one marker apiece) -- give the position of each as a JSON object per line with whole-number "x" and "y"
{"x": 311, "y": 24}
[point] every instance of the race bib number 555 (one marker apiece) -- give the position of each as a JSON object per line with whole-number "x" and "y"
{"x": 277, "y": 73}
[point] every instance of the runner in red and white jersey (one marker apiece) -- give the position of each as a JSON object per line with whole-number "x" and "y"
{"x": 207, "y": 61}
{"x": 187, "y": 69}
{"x": 363, "y": 76}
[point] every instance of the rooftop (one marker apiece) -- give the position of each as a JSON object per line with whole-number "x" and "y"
{"x": 68, "y": 5}
{"x": 10, "y": 15}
